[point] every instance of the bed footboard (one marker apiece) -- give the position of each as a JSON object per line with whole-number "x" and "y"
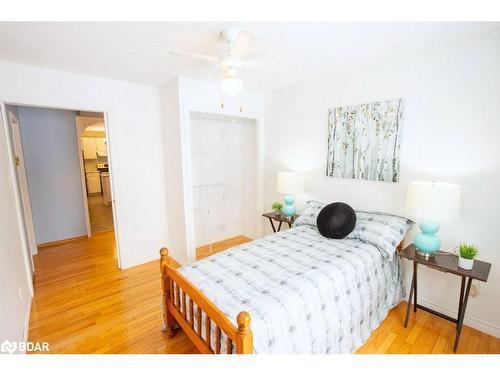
{"x": 198, "y": 317}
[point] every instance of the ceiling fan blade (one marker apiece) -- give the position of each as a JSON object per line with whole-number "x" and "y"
{"x": 264, "y": 65}
{"x": 194, "y": 56}
{"x": 242, "y": 45}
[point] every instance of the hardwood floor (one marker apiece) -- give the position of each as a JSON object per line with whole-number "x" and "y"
{"x": 100, "y": 214}
{"x": 84, "y": 304}
{"x": 207, "y": 250}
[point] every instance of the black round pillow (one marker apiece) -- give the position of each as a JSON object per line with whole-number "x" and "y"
{"x": 336, "y": 220}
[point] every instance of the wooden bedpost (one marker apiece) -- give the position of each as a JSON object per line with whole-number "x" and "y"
{"x": 168, "y": 319}
{"x": 244, "y": 336}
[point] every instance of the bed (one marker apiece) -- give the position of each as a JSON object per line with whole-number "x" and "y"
{"x": 290, "y": 292}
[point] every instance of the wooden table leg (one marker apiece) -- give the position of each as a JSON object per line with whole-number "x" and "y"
{"x": 279, "y": 226}
{"x": 415, "y": 264}
{"x": 272, "y": 224}
{"x": 462, "y": 314}
{"x": 461, "y": 301}
{"x": 408, "y": 307}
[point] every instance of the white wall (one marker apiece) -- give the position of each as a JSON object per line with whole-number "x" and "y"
{"x": 451, "y": 133}
{"x": 53, "y": 171}
{"x": 134, "y": 131}
{"x": 174, "y": 171}
{"x": 178, "y": 98}
{"x": 15, "y": 292}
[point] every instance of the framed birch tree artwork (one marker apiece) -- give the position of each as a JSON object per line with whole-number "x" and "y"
{"x": 364, "y": 141}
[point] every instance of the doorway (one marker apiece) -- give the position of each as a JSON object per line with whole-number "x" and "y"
{"x": 56, "y": 197}
{"x": 93, "y": 148}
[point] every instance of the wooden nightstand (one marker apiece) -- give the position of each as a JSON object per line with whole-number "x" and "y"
{"x": 444, "y": 262}
{"x": 272, "y": 216}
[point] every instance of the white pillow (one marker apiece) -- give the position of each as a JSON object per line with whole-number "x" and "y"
{"x": 309, "y": 215}
{"x": 385, "y": 231}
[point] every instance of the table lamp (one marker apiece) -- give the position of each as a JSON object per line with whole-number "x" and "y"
{"x": 290, "y": 183}
{"x": 431, "y": 202}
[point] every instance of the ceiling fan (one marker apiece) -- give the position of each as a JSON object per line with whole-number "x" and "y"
{"x": 239, "y": 42}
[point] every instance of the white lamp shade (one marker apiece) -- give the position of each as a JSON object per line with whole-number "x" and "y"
{"x": 433, "y": 200}
{"x": 290, "y": 183}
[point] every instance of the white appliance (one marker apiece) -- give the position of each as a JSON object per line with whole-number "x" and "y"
{"x": 106, "y": 188}
{"x": 93, "y": 182}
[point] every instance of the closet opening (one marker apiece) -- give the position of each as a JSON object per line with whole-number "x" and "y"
{"x": 224, "y": 181}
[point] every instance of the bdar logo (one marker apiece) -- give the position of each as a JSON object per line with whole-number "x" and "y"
{"x": 8, "y": 347}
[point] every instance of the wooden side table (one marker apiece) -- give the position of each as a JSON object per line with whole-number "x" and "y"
{"x": 272, "y": 216}
{"x": 444, "y": 262}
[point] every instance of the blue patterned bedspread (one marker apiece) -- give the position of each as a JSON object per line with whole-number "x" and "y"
{"x": 304, "y": 292}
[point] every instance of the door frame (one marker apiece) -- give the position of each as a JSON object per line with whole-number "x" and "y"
{"x": 10, "y": 151}
{"x": 186, "y": 111}
{"x": 83, "y": 178}
{"x": 27, "y": 256}
{"x": 17, "y": 148}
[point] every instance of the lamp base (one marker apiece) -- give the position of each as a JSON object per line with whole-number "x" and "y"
{"x": 424, "y": 255}
{"x": 288, "y": 209}
{"x": 427, "y": 243}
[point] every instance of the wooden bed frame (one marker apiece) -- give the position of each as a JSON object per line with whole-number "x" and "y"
{"x": 175, "y": 288}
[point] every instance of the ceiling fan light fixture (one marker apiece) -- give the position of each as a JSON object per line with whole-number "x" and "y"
{"x": 231, "y": 85}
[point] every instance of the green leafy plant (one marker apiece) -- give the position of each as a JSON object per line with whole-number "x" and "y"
{"x": 277, "y": 206}
{"x": 468, "y": 251}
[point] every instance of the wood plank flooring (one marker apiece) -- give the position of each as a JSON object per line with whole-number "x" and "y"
{"x": 207, "y": 250}
{"x": 84, "y": 304}
{"x": 100, "y": 214}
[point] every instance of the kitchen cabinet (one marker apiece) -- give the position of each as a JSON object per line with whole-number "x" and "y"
{"x": 89, "y": 148}
{"x": 101, "y": 147}
{"x": 94, "y": 147}
{"x": 93, "y": 182}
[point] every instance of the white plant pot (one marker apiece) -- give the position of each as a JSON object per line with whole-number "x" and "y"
{"x": 466, "y": 264}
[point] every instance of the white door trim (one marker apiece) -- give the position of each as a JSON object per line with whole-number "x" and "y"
{"x": 83, "y": 179}
{"x": 28, "y": 259}
{"x": 13, "y": 122}
{"x": 111, "y": 183}
{"x": 185, "y": 120}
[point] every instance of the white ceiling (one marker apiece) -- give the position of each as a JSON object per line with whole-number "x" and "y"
{"x": 138, "y": 52}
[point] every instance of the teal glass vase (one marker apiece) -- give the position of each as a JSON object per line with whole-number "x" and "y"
{"x": 289, "y": 209}
{"x": 427, "y": 242}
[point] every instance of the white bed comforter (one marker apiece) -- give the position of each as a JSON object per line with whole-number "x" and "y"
{"x": 304, "y": 292}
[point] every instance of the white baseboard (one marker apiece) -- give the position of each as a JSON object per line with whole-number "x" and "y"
{"x": 178, "y": 259}
{"x": 152, "y": 258}
{"x": 139, "y": 261}
{"x": 27, "y": 321}
{"x": 471, "y": 321}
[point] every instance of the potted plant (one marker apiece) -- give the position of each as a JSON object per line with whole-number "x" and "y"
{"x": 277, "y": 207}
{"x": 467, "y": 255}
